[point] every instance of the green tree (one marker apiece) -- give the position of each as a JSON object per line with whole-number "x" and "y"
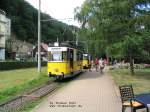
{"x": 24, "y": 23}
{"x": 119, "y": 25}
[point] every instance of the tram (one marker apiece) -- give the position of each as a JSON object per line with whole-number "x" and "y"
{"x": 63, "y": 61}
{"x": 86, "y": 61}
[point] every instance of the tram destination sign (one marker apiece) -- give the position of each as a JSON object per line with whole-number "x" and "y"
{"x": 57, "y": 49}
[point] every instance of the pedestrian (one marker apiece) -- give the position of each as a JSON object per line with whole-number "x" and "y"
{"x": 101, "y": 65}
{"x": 115, "y": 62}
{"x": 105, "y": 62}
{"x": 96, "y": 64}
{"x": 91, "y": 65}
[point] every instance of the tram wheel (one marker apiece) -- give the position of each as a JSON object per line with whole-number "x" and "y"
{"x": 60, "y": 77}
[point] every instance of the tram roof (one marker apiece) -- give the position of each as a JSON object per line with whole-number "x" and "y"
{"x": 63, "y": 47}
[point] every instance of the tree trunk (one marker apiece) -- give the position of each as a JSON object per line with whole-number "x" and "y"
{"x": 131, "y": 65}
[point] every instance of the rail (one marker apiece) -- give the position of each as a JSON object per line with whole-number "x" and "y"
{"x": 19, "y": 102}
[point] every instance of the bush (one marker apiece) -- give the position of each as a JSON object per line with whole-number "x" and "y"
{"x": 136, "y": 66}
{"x": 146, "y": 65}
{"x": 18, "y": 65}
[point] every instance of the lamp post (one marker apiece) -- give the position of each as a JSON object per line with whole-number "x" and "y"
{"x": 39, "y": 37}
{"x": 77, "y": 39}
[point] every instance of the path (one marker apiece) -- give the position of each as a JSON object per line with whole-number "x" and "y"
{"x": 90, "y": 92}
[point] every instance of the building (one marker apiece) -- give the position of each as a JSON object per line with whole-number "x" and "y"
{"x": 44, "y": 49}
{"x": 17, "y": 49}
{"x": 4, "y": 33}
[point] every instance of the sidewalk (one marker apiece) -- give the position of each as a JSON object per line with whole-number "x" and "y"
{"x": 90, "y": 92}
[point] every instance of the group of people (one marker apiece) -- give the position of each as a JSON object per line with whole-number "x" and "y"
{"x": 98, "y": 64}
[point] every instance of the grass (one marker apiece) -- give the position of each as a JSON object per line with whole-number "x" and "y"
{"x": 140, "y": 80}
{"x": 31, "y": 105}
{"x": 15, "y": 82}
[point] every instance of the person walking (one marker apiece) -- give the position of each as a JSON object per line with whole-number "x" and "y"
{"x": 96, "y": 64}
{"x": 101, "y": 65}
{"x": 91, "y": 65}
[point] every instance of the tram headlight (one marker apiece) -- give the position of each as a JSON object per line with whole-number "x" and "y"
{"x": 49, "y": 74}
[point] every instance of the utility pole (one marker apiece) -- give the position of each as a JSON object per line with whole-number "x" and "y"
{"x": 39, "y": 37}
{"x": 87, "y": 49}
{"x": 76, "y": 39}
{"x": 76, "y": 36}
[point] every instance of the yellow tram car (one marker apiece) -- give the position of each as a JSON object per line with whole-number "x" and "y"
{"x": 86, "y": 61}
{"x": 63, "y": 62}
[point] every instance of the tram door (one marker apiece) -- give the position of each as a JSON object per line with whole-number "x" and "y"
{"x": 71, "y": 59}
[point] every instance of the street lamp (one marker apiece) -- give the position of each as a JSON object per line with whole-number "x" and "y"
{"x": 39, "y": 37}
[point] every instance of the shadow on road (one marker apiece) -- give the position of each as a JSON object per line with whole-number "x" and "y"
{"x": 83, "y": 76}
{"x": 90, "y": 75}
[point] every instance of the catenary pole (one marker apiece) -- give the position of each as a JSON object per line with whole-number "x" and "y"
{"x": 39, "y": 37}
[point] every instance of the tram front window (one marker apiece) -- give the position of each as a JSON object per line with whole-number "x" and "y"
{"x": 57, "y": 56}
{"x": 85, "y": 57}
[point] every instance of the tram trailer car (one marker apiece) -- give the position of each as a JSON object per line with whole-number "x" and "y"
{"x": 64, "y": 62}
{"x": 86, "y": 61}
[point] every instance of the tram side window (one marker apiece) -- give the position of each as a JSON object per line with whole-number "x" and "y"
{"x": 80, "y": 56}
{"x": 64, "y": 56}
{"x": 77, "y": 56}
{"x": 68, "y": 55}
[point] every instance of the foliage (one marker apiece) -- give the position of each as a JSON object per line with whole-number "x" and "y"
{"x": 140, "y": 81}
{"x": 121, "y": 27}
{"x": 24, "y": 23}
{"x": 16, "y": 82}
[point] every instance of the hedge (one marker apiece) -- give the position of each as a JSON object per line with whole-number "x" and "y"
{"x": 19, "y": 65}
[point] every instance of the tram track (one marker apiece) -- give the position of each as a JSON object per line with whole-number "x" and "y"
{"x": 19, "y": 102}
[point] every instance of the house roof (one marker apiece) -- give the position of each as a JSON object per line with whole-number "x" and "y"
{"x": 44, "y": 46}
{"x": 2, "y": 12}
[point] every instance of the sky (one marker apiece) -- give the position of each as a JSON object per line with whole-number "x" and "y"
{"x": 59, "y": 9}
